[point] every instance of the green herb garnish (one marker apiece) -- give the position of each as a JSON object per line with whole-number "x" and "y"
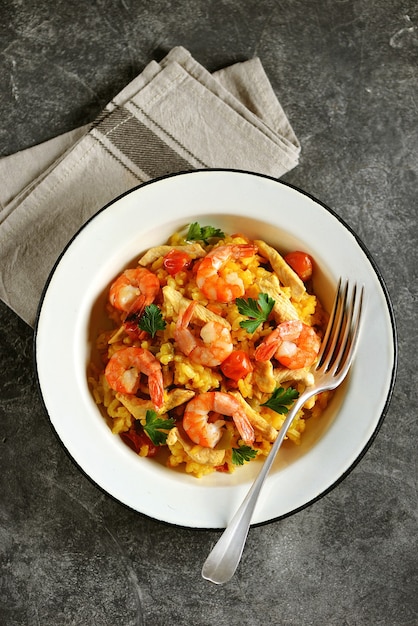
{"x": 257, "y": 310}
{"x": 152, "y": 320}
{"x": 281, "y": 398}
{"x": 152, "y": 427}
{"x": 242, "y": 454}
{"x": 203, "y": 233}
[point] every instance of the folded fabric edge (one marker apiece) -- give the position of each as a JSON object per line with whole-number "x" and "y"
{"x": 64, "y": 145}
{"x": 22, "y": 171}
{"x": 25, "y": 169}
{"x": 184, "y": 58}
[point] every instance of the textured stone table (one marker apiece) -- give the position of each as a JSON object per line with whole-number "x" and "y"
{"x": 346, "y": 74}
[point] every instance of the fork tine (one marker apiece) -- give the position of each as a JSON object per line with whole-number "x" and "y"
{"x": 351, "y": 333}
{"x": 338, "y": 329}
{"x": 341, "y": 334}
{"x": 330, "y": 326}
{"x": 342, "y": 337}
{"x": 332, "y": 340}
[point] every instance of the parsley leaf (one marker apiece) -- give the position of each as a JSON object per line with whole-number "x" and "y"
{"x": 152, "y": 427}
{"x": 203, "y": 233}
{"x": 280, "y": 398}
{"x": 243, "y": 453}
{"x": 257, "y": 310}
{"x": 151, "y": 320}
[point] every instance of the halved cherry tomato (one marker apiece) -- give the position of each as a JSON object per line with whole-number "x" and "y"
{"x": 175, "y": 261}
{"x": 301, "y": 263}
{"x": 237, "y": 365}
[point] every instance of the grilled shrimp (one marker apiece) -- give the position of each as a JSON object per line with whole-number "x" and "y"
{"x": 124, "y": 368}
{"x": 214, "y": 346}
{"x": 293, "y": 343}
{"x": 133, "y": 290}
{"x": 197, "y": 424}
{"x": 212, "y": 284}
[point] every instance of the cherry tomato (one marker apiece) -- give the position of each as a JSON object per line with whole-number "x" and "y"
{"x": 176, "y": 260}
{"x": 237, "y": 365}
{"x": 136, "y": 439}
{"x": 132, "y": 329}
{"x": 301, "y": 263}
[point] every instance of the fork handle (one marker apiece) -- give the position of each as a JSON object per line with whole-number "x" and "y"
{"x": 225, "y": 556}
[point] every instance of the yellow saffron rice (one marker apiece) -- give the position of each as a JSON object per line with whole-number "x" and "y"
{"x": 184, "y": 378}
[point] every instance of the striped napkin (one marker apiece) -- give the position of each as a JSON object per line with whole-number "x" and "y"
{"x": 175, "y": 116}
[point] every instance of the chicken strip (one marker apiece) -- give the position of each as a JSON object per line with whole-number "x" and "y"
{"x": 195, "y": 251}
{"x": 284, "y": 374}
{"x": 263, "y": 376}
{"x": 258, "y": 423}
{"x": 179, "y": 302}
{"x": 199, "y": 454}
{"x": 285, "y": 273}
{"x": 283, "y": 309}
{"x": 139, "y": 406}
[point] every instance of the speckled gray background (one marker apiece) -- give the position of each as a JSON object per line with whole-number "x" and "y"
{"x": 346, "y": 73}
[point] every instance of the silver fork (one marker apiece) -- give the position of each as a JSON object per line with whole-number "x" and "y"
{"x": 334, "y": 360}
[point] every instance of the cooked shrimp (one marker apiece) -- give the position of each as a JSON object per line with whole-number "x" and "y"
{"x": 124, "y": 368}
{"x": 214, "y": 346}
{"x": 197, "y": 424}
{"x": 294, "y": 344}
{"x": 199, "y": 454}
{"x": 133, "y": 290}
{"x": 213, "y": 285}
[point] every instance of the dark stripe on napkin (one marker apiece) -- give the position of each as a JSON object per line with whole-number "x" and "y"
{"x": 140, "y": 144}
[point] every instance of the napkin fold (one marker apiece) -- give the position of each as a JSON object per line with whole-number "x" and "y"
{"x": 175, "y": 116}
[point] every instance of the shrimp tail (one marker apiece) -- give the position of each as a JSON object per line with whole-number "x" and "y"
{"x": 123, "y": 370}
{"x": 186, "y": 317}
{"x": 244, "y": 427}
{"x": 139, "y": 304}
{"x": 265, "y": 351}
{"x": 156, "y": 388}
{"x": 244, "y": 250}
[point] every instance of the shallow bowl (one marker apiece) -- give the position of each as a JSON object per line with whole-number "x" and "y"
{"x": 73, "y": 299}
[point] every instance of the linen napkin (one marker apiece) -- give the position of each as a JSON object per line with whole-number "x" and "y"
{"x": 175, "y": 116}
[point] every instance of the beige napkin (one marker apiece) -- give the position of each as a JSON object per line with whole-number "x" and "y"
{"x": 175, "y": 116}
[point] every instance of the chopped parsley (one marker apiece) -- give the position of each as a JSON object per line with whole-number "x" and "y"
{"x": 155, "y": 427}
{"x": 242, "y": 454}
{"x": 151, "y": 320}
{"x": 281, "y": 399}
{"x": 203, "y": 233}
{"x": 256, "y": 310}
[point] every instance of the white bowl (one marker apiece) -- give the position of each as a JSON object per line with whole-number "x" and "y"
{"x": 233, "y": 201}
